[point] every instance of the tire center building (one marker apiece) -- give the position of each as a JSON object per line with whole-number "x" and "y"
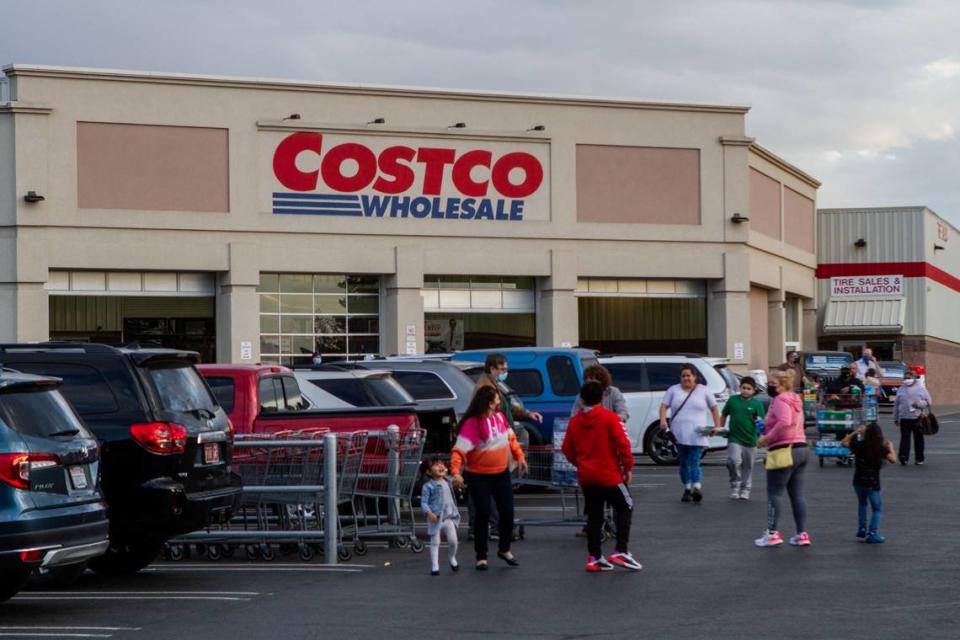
{"x": 266, "y": 221}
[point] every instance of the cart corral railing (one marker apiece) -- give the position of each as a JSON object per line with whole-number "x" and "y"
{"x": 301, "y": 491}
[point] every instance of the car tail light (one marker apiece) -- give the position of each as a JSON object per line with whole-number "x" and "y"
{"x": 160, "y": 437}
{"x": 32, "y": 555}
{"x": 15, "y": 468}
{"x": 918, "y": 369}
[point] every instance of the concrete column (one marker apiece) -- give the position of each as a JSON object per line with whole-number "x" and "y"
{"x": 557, "y": 315}
{"x": 24, "y": 302}
{"x": 402, "y": 314}
{"x": 238, "y": 307}
{"x": 808, "y": 325}
{"x": 728, "y": 312}
{"x": 776, "y": 326}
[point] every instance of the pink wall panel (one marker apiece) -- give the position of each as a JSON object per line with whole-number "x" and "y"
{"x": 799, "y": 214}
{"x": 645, "y": 185}
{"x": 146, "y": 167}
{"x": 764, "y": 204}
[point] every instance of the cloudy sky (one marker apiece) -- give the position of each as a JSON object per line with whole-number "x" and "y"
{"x": 863, "y": 94}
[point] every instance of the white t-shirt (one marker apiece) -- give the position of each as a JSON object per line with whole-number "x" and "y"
{"x": 694, "y": 415}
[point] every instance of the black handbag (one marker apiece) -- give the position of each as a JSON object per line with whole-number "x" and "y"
{"x": 928, "y": 424}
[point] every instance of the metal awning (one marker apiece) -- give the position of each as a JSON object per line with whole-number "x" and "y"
{"x": 865, "y": 316}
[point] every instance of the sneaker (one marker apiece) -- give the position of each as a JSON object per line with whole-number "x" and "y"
{"x": 494, "y": 536}
{"x": 625, "y": 560}
{"x": 697, "y": 496}
{"x": 598, "y": 564}
{"x": 861, "y": 533}
{"x": 919, "y": 463}
{"x": 734, "y": 494}
{"x": 687, "y": 496}
{"x": 903, "y": 462}
{"x": 800, "y": 540}
{"x": 769, "y": 539}
{"x": 875, "y": 538}
{"x": 745, "y": 494}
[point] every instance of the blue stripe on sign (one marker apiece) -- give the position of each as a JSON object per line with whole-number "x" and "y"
{"x": 319, "y": 212}
{"x": 330, "y": 205}
{"x": 315, "y": 196}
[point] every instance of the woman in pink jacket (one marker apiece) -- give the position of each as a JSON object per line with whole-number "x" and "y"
{"x": 783, "y": 428}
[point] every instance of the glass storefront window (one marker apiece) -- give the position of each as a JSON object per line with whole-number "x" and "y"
{"x": 334, "y": 315}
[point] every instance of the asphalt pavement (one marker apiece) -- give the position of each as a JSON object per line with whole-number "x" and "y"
{"x": 702, "y": 576}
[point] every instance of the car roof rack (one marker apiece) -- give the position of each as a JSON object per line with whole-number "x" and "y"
{"x": 85, "y": 347}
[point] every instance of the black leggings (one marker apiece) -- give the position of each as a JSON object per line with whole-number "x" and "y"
{"x": 791, "y": 481}
{"x": 482, "y": 487}
{"x": 910, "y": 427}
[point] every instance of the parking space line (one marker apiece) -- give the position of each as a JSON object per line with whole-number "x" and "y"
{"x": 32, "y": 634}
{"x": 91, "y": 597}
{"x": 176, "y": 592}
{"x": 39, "y": 628}
{"x": 263, "y": 569}
{"x": 243, "y": 564}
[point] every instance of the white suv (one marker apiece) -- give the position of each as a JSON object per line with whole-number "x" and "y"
{"x": 643, "y": 381}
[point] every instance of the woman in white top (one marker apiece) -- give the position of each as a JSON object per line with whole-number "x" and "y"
{"x": 690, "y": 405}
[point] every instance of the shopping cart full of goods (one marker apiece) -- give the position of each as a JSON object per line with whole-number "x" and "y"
{"x": 838, "y": 415}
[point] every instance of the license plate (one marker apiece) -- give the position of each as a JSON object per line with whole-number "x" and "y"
{"x": 78, "y": 477}
{"x": 211, "y": 452}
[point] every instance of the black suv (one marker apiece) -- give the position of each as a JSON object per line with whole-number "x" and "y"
{"x": 52, "y": 516}
{"x": 166, "y": 445}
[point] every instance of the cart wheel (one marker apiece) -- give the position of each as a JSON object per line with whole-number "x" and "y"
{"x": 416, "y": 545}
{"x": 214, "y": 552}
{"x": 306, "y": 553}
{"x": 821, "y": 461}
{"x": 267, "y": 553}
{"x": 343, "y": 554}
{"x": 401, "y": 543}
{"x": 228, "y": 550}
{"x": 253, "y": 552}
{"x": 201, "y": 549}
{"x": 522, "y": 532}
{"x": 360, "y": 548}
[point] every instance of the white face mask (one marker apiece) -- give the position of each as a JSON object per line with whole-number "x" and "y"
{"x": 909, "y": 381}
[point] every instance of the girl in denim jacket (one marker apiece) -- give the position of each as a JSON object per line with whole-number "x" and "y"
{"x": 439, "y": 505}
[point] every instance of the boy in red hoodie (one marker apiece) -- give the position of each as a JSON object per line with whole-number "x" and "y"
{"x": 597, "y": 445}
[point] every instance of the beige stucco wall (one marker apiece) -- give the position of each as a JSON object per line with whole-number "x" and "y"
{"x": 238, "y": 244}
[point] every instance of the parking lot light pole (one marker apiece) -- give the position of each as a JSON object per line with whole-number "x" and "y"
{"x": 330, "y": 537}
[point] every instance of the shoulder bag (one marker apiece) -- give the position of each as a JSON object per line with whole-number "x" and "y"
{"x": 928, "y": 424}
{"x": 782, "y": 457}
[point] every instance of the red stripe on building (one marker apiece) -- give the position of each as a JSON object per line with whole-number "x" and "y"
{"x": 906, "y": 269}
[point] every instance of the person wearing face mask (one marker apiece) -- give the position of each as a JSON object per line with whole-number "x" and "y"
{"x": 495, "y": 370}
{"x": 912, "y": 399}
{"x": 867, "y": 362}
{"x": 842, "y": 391}
{"x": 794, "y": 363}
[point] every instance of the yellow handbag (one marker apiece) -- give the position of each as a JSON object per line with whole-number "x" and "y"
{"x": 779, "y": 458}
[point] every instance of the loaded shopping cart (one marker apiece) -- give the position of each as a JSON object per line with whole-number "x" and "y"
{"x": 839, "y": 415}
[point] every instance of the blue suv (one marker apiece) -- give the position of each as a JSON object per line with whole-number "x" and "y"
{"x": 52, "y": 516}
{"x": 546, "y": 379}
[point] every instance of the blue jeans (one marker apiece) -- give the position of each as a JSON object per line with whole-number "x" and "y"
{"x": 689, "y": 458}
{"x": 876, "y": 504}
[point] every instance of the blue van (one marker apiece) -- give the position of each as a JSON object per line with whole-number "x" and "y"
{"x": 546, "y": 379}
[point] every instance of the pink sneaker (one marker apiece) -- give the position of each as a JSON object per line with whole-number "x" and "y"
{"x": 801, "y": 540}
{"x": 769, "y": 539}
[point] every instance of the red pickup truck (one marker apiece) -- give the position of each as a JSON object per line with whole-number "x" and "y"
{"x": 267, "y": 399}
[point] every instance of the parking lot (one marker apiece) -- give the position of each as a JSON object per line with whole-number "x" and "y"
{"x": 702, "y": 576}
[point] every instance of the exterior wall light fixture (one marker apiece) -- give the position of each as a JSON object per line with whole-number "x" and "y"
{"x": 537, "y": 127}
{"x": 33, "y": 196}
{"x": 860, "y": 244}
{"x": 458, "y": 125}
{"x": 938, "y": 247}
{"x": 377, "y": 121}
{"x": 738, "y": 218}
{"x": 293, "y": 116}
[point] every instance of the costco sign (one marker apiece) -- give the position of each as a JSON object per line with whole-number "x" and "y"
{"x": 375, "y": 177}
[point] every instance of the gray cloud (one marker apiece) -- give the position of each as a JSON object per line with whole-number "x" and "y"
{"x": 861, "y": 94}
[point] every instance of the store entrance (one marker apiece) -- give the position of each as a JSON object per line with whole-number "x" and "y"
{"x": 882, "y": 349}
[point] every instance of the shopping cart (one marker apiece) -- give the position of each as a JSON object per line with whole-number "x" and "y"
{"x": 284, "y": 504}
{"x": 837, "y": 416}
{"x": 382, "y": 501}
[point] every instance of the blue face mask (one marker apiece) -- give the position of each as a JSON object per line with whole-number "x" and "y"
{"x": 865, "y": 359}
{"x": 502, "y": 377}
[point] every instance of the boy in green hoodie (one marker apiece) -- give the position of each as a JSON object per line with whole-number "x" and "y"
{"x": 743, "y": 411}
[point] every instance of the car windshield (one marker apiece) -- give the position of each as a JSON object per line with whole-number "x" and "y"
{"x": 36, "y": 412}
{"x": 180, "y": 388}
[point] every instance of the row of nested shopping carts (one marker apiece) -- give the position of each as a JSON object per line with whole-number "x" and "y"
{"x": 312, "y": 491}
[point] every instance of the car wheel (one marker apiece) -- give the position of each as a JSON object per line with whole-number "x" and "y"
{"x": 660, "y": 446}
{"x": 57, "y": 577}
{"x": 126, "y": 558}
{"x": 11, "y": 581}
